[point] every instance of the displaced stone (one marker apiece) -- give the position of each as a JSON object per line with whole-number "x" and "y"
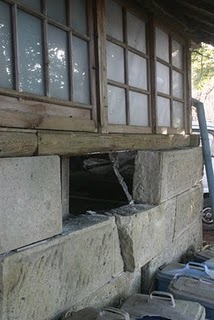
{"x": 30, "y": 200}
{"x": 43, "y": 281}
{"x": 161, "y": 175}
{"x": 144, "y": 234}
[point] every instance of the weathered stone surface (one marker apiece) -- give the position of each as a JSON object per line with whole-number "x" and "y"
{"x": 171, "y": 253}
{"x": 30, "y": 200}
{"x": 144, "y": 234}
{"x": 161, "y": 175}
{"x": 42, "y": 281}
{"x": 195, "y": 236}
{"x": 189, "y": 206}
{"x": 112, "y": 293}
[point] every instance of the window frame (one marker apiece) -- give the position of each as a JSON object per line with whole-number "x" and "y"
{"x": 127, "y": 128}
{"x": 77, "y": 108}
{"x": 186, "y": 84}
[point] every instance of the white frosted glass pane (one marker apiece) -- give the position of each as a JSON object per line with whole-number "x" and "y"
{"x": 137, "y": 71}
{"x": 138, "y": 109}
{"x": 162, "y": 78}
{"x": 136, "y": 33}
{"x": 115, "y": 62}
{"x": 6, "y": 65}
{"x": 162, "y": 45}
{"x": 30, "y": 53}
{"x": 33, "y": 4}
{"x": 57, "y": 10}
{"x": 78, "y": 15}
{"x": 80, "y": 71}
{"x": 178, "y": 115}
{"x": 163, "y": 112}
{"x": 116, "y": 105}
{"x": 177, "y": 54}
{"x": 177, "y": 84}
{"x": 58, "y": 63}
{"x": 114, "y": 20}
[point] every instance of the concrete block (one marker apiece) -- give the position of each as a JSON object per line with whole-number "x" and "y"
{"x": 30, "y": 200}
{"x": 44, "y": 280}
{"x": 188, "y": 209}
{"x": 161, "y": 175}
{"x": 144, "y": 234}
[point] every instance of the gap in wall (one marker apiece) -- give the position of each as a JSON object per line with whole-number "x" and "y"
{"x": 94, "y": 185}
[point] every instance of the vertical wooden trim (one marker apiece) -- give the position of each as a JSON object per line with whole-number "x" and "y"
{"x": 102, "y": 88}
{"x": 126, "y": 66}
{"x": 15, "y": 46}
{"x": 46, "y": 57}
{"x": 188, "y": 86}
{"x": 65, "y": 185}
{"x": 70, "y": 64}
{"x": 152, "y": 66}
{"x": 170, "y": 81}
{"x": 92, "y": 63}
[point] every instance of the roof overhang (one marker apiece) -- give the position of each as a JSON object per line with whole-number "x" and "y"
{"x": 194, "y": 17}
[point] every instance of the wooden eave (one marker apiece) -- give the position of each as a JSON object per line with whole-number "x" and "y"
{"x": 195, "y": 18}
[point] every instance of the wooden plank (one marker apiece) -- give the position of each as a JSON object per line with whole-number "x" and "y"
{"x": 65, "y": 184}
{"x": 42, "y": 121}
{"x": 81, "y": 143}
{"x": 15, "y": 144}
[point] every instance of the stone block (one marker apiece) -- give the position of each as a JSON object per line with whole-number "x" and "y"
{"x": 144, "y": 233}
{"x": 188, "y": 209}
{"x": 41, "y": 281}
{"x": 30, "y": 200}
{"x": 161, "y": 175}
{"x": 169, "y": 254}
{"x": 195, "y": 236}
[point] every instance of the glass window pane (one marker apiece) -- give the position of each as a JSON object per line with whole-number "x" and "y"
{"x": 138, "y": 109}
{"x": 116, "y": 105}
{"x": 162, "y": 45}
{"x": 177, "y": 84}
{"x": 162, "y": 78}
{"x": 30, "y": 53}
{"x": 80, "y": 71}
{"x": 57, "y": 10}
{"x": 114, "y": 20}
{"x": 58, "y": 63}
{"x": 136, "y": 33}
{"x": 137, "y": 71}
{"x": 178, "y": 115}
{"x": 6, "y": 65}
{"x": 115, "y": 62}
{"x": 78, "y": 15}
{"x": 33, "y": 4}
{"x": 177, "y": 54}
{"x": 163, "y": 112}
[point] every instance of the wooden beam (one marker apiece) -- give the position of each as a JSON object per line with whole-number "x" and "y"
{"x": 72, "y": 144}
{"x": 17, "y": 144}
{"x": 16, "y": 119}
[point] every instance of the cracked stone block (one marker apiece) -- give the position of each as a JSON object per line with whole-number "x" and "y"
{"x": 161, "y": 175}
{"x": 30, "y": 200}
{"x": 189, "y": 208}
{"x": 41, "y": 281}
{"x": 144, "y": 234}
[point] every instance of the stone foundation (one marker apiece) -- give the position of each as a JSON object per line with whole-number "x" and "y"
{"x": 97, "y": 259}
